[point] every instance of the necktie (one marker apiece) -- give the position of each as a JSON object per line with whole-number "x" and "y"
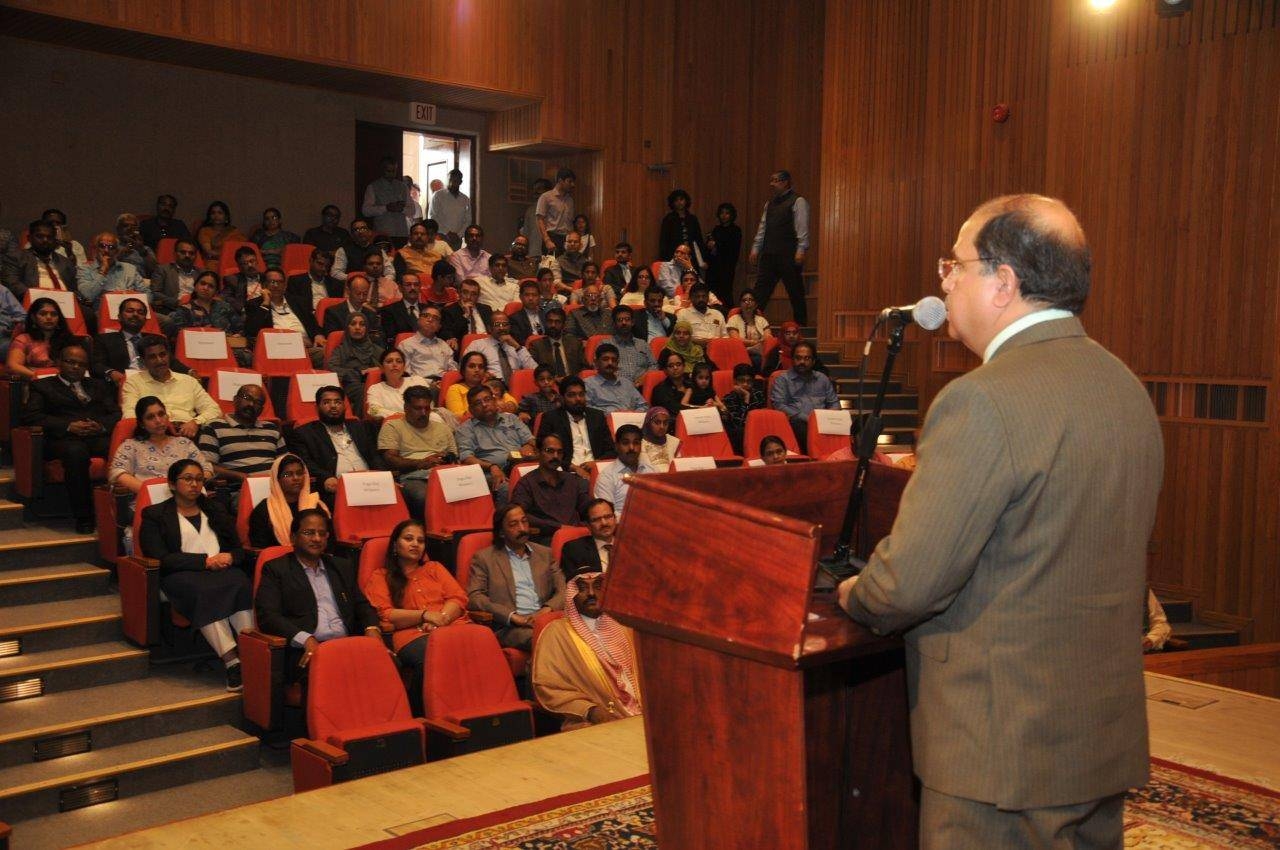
{"x": 505, "y": 364}
{"x": 80, "y": 393}
{"x": 608, "y": 554}
{"x": 557, "y": 358}
{"x": 537, "y": 326}
{"x": 132, "y": 342}
{"x": 413, "y": 312}
{"x": 53, "y": 276}
{"x": 471, "y": 321}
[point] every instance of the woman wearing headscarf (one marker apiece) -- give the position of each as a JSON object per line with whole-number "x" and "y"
{"x": 780, "y": 358}
{"x": 353, "y": 355}
{"x": 288, "y": 493}
{"x": 657, "y": 447}
{"x": 681, "y": 342}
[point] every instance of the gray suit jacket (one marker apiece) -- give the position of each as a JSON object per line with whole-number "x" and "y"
{"x": 492, "y": 587}
{"x": 25, "y": 273}
{"x": 164, "y": 287}
{"x": 1017, "y": 568}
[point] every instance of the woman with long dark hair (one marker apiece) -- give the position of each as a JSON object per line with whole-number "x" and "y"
{"x": 414, "y": 596}
{"x": 41, "y": 340}
{"x": 680, "y": 227}
{"x": 202, "y": 567}
{"x": 216, "y": 230}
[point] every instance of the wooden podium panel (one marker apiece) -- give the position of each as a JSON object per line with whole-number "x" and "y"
{"x": 773, "y": 719}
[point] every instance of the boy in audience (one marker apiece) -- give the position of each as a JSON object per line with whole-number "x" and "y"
{"x": 611, "y": 483}
{"x": 745, "y": 397}
{"x": 547, "y": 397}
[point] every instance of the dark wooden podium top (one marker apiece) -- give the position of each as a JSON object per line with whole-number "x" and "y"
{"x": 727, "y": 559}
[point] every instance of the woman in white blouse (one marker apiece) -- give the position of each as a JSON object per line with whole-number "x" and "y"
{"x": 750, "y": 327}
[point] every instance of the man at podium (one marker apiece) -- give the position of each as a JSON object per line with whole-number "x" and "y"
{"x": 1016, "y": 565}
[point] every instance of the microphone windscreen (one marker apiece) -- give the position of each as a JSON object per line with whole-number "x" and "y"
{"x": 930, "y": 313}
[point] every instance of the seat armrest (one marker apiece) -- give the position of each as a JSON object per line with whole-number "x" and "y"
{"x": 438, "y": 535}
{"x": 450, "y": 730}
{"x": 273, "y": 641}
{"x": 320, "y": 749}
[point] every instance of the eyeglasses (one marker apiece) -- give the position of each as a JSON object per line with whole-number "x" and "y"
{"x": 948, "y": 265}
{"x": 192, "y": 479}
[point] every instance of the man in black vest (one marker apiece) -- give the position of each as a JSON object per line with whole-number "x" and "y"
{"x": 781, "y": 242}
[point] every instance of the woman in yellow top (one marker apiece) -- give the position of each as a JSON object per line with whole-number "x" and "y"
{"x": 475, "y": 371}
{"x": 414, "y": 597}
{"x": 216, "y": 231}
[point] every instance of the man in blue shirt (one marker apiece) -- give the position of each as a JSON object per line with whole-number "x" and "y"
{"x": 514, "y": 580}
{"x": 492, "y": 439}
{"x": 800, "y": 390}
{"x": 605, "y": 390}
{"x": 634, "y": 355}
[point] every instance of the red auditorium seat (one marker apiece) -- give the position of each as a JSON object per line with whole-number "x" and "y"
{"x": 446, "y": 522}
{"x": 332, "y": 341}
{"x": 253, "y": 491}
{"x": 764, "y": 423}
{"x": 469, "y": 696}
{"x": 273, "y": 364}
{"x": 712, "y": 444}
{"x": 199, "y": 349}
{"x": 323, "y": 306}
{"x": 651, "y": 380}
{"x": 165, "y": 250}
{"x": 822, "y": 446}
{"x": 589, "y": 351}
{"x": 467, "y": 339}
{"x": 562, "y": 536}
{"x": 513, "y": 307}
{"x": 261, "y": 663}
{"x": 722, "y": 381}
{"x": 227, "y": 259}
{"x": 768, "y": 387}
{"x": 656, "y": 345}
{"x": 357, "y": 715}
{"x": 447, "y": 380}
{"x": 296, "y": 259}
{"x": 522, "y": 383}
{"x": 139, "y": 578}
{"x": 727, "y": 352}
{"x": 356, "y": 524}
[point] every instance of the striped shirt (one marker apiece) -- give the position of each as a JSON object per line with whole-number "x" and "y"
{"x": 251, "y": 450}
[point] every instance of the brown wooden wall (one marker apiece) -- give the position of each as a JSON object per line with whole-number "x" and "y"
{"x": 1162, "y": 135}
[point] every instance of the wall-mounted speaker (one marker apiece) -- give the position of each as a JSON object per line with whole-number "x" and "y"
{"x": 1172, "y": 8}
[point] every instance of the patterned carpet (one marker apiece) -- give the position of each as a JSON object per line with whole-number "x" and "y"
{"x": 1180, "y": 808}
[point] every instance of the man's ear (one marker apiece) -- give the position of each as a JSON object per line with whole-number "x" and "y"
{"x": 1007, "y": 287}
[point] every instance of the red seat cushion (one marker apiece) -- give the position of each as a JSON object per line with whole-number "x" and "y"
{"x": 518, "y": 659}
{"x": 55, "y": 474}
{"x": 342, "y": 737}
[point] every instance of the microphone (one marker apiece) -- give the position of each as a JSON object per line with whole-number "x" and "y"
{"x": 929, "y": 313}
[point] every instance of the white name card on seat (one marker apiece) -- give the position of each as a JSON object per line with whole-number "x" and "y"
{"x": 159, "y": 492}
{"x": 756, "y": 461}
{"x": 835, "y": 423}
{"x": 366, "y": 489}
{"x": 259, "y": 487}
{"x": 205, "y": 345}
{"x": 65, "y": 299}
{"x": 459, "y": 483}
{"x": 702, "y": 420}
{"x": 686, "y": 464}
{"x": 625, "y": 417}
{"x": 310, "y": 382}
{"x": 285, "y": 346}
{"x": 229, "y": 383}
{"x": 114, "y": 298}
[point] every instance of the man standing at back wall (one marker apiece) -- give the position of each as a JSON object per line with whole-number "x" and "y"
{"x": 1017, "y": 564}
{"x": 780, "y": 246}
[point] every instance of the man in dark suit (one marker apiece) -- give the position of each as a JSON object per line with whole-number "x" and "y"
{"x": 571, "y": 421}
{"x": 529, "y": 321}
{"x": 1016, "y": 567}
{"x": 653, "y": 323}
{"x": 245, "y": 286}
{"x": 77, "y": 414}
{"x": 281, "y": 310}
{"x": 492, "y": 583}
{"x": 40, "y": 266}
{"x": 335, "y": 318}
{"x": 308, "y": 286}
{"x": 163, "y": 224}
{"x": 467, "y": 316}
{"x": 560, "y": 352}
{"x": 333, "y": 444}
{"x": 618, "y": 276}
{"x": 117, "y": 351}
{"x": 167, "y": 280}
{"x": 401, "y": 317}
{"x": 591, "y": 554}
{"x": 308, "y": 597}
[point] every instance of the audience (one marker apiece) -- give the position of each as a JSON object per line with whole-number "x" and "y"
{"x": 272, "y": 238}
{"x": 635, "y": 358}
{"x": 350, "y": 258}
{"x": 333, "y": 444}
{"x": 244, "y": 288}
{"x": 591, "y": 554}
{"x": 605, "y": 391}
{"x": 474, "y": 370}
{"x": 745, "y": 397}
{"x": 241, "y": 443}
{"x": 654, "y": 322}
{"x": 107, "y": 273}
{"x": 287, "y": 312}
{"x": 681, "y": 342}
{"x": 41, "y": 266}
{"x": 612, "y": 484}
{"x": 308, "y": 597}
{"x": 582, "y": 227}
{"x": 497, "y": 288}
{"x": 551, "y": 496}
{"x": 352, "y": 356}
{"x": 546, "y": 399}
{"x": 780, "y": 358}
{"x": 414, "y": 445}
{"x": 519, "y": 261}
{"x": 472, "y": 262}
{"x": 749, "y": 326}
{"x": 618, "y": 276}
{"x": 184, "y": 398}
{"x": 468, "y": 316}
{"x": 164, "y": 224}
{"x": 800, "y": 390}
{"x": 67, "y": 245}
{"x": 555, "y": 212}
{"x": 592, "y": 319}
{"x": 492, "y": 439}
{"x": 850, "y": 452}
{"x": 78, "y": 414}
{"x": 386, "y": 398}
{"x": 773, "y": 450}
{"x": 451, "y": 209}
{"x": 288, "y": 492}
{"x": 658, "y": 449}
{"x": 132, "y": 249}
{"x": 583, "y": 431}
{"x": 118, "y": 351}
{"x": 679, "y": 226}
{"x": 503, "y": 353}
{"x": 206, "y": 309}
{"x": 203, "y": 570}
{"x": 329, "y": 236}
{"x": 425, "y": 353}
{"x": 584, "y": 665}
{"x": 673, "y": 271}
{"x": 316, "y": 284}
{"x": 216, "y": 231}
{"x": 401, "y": 315}
{"x": 570, "y": 263}
{"x": 562, "y": 353}
{"x": 357, "y": 301}
{"x": 528, "y": 321}
{"x": 514, "y": 580}
{"x": 172, "y": 282}
{"x": 413, "y": 596}
{"x": 670, "y": 393}
{"x": 44, "y": 336}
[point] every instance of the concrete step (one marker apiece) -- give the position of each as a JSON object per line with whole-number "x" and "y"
{"x": 58, "y": 625}
{"x": 40, "y": 546}
{"x": 892, "y": 401}
{"x": 118, "y": 713}
{"x": 36, "y": 789}
{"x": 1177, "y": 610}
{"x": 74, "y": 667}
{"x": 10, "y": 515}
{"x": 1204, "y": 636}
{"x": 51, "y": 583}
{"x": 53, "y": 832}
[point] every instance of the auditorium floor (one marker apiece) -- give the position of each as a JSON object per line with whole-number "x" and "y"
{"x": 1234, "y": 734}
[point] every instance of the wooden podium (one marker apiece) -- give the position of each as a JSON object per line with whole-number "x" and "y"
{"x": 773, "y": 720}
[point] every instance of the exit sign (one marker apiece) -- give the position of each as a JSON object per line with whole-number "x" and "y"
{"x": 422, "y": 113}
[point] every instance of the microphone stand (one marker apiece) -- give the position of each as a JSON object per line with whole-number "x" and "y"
{"x": 840, "y": 564}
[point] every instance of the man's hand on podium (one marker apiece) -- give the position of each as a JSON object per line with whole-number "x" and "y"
{"x": 845, "y": 589}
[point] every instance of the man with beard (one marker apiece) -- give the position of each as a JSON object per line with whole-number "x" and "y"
{"x": 411, "y": 447}
{"x": 491, "y": 438}
{"x": 561, "y": 352}
{"x": 583, "y": 431}
{"x": 519, "y": 262}
{"x": 241, "y": 444}
{"x": 173, "y": 280}
{"x": 163, "y": 224}
{"x": 328, "y": 236}
{"x": 514, "y": 580}
{"x": 315, "y": 283}
{"x": 472, "y": 262}
{"x": 635, "y": 357}
{"x": 333, "y": 444}
{"x": 800, "y": 391}
{"x": 612, "y": 483}
{"x": 41, "y": 266}
{"x": 551, "y": 497}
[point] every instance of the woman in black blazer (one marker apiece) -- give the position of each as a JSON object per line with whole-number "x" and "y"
{"x": 202, "y": 567}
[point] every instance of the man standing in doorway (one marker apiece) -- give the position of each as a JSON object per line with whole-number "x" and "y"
{"x": 780, "y": 246}
{"x": 555, "y": 212}
{"x": 385, "y": 201}
{"x": 451, "y": 210}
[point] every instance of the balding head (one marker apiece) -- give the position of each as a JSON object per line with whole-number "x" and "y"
{"x": 1040, "y": 239}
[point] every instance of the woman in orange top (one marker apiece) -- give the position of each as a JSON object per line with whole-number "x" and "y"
{"x": 414, "y": 597}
